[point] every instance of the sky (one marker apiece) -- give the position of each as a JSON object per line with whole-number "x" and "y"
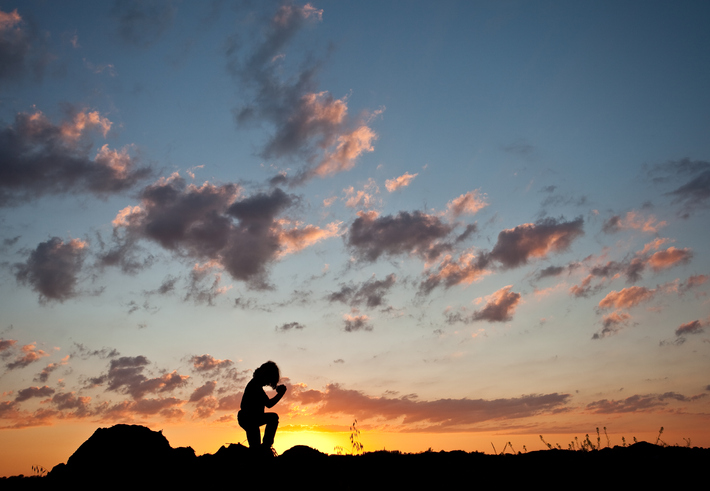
{"x": 460, "y": 224}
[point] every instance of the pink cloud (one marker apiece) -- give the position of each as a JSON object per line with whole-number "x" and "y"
{"x": 399, "y": 182}
{"x": 500, "y": 306}
{"x": 30, "y": 354}
{"x": 469, "y": 203}
{"x": 348, "y": 148}
{"x": 441, "y": 413}
{"x": 464, "y": 270}
{"x": 627, "y": 297}
{"x": 668, "y": 258}
{"x": 535, "y": 240}
{"x": 693, "y": 327}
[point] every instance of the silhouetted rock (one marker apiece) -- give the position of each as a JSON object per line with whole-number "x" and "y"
{"x": 124, "y": 453}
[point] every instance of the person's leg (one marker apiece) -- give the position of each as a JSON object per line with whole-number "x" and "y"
{"x": 272, "y": 423}
{"x": 252, "y": 430}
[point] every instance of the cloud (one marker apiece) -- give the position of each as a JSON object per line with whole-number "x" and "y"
{"x": 24, "y": 394}
{"x": 365, "y": 198}
{"x": 612, "y": 323}
{"x": 22, "y": 51}
{"x": 126, "y": 375}
{"x": 354, "y": 323}
{"x": 142, "y": 22}
{"x": 638, "y": 403}
{"x": 469, "y": 203}
{"x": 517, "y": 245}
{"x": 694, "y": 193}
{"x": 500, "y": 306}
{"x": 668, "y": 258}
{"x": 6, "y": 345}
{"x": 208, "y": 363}
{"x": 417, "y": 233}
{"x": 693, "y": 282}
{"x": 43, "y": 376}
{"x": 693, "y": 327}
{"x": 30, "y": 354}
{"x": 372, "y": 292}
{"x": 52, "y": 269}
{"x": 67, "y": 400}
{"x": 400, "y": 182}
{"x": 203, "y": 288}
{"x": 633, "y": 220}
{"x": 627, "y": 297}
{"x": 39, "y": 158}
{"x": 203, "y": 391}
{"x": 442, "y": 413}
{"x": 307, "y": 123}
{"x": 464, "y": 270}
{"x": 287, "y": 326}
{"x": 216, "y": 226}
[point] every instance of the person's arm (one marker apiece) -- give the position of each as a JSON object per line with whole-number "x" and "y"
{"x": 280, "y": 391}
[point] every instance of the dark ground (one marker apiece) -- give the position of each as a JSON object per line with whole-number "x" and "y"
{"x": 135, "y": 456}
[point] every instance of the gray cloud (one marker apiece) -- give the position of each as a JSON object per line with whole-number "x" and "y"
{"x": 372, "y": 292}
{"x": 416, "y": 233}
{"x": 38, "y": 158}
{"x": 29, "y": 392}
{"x": 307, "y": 123}
{"x": 290, "y": 325}
{"x": 210, "y": 224}
{"x": 52, "y": 269}
{"x": 517, "y": 245}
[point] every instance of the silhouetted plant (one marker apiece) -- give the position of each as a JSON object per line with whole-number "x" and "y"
{"x": 658, "y": 439}
{"x": 357, "y": 446}
{"x": 549, "y": 446}
{"x": 608, "y": 442}
{"x": 687, "y": 442}
{"x": 38, "y": 470}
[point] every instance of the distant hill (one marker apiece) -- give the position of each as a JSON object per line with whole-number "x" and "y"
{"x": 137, "y": 456}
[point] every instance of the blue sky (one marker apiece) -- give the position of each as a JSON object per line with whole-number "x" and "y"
{"x": 462, "y": 220}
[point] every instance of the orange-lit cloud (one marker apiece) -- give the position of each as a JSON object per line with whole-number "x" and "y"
{"x": 535, "y": 240}
{"x": 464, "y": 270}
{"x": 419, "y": 415}
{"x": 469, "y": 203}
{"x": 633, "y": 220}
{"x": 692, "y": 327}
{"x": 627, "y": 297}
{"x": 399, "y": 182}
{"x": 42, "y": 158}
{"x": 208, "y": 363}
{"x": 668, "y": 258}
{"x": 9, "y": 20}
{"x": 30, "y": 354}
{"x": 296, "y": 239}
{"x": 500, "y": 307}
{"x": 349, "y": 147}
{"x": 365, "y": 198}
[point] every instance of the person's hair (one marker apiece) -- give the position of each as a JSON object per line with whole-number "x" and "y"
{"x": 268, "y": 373}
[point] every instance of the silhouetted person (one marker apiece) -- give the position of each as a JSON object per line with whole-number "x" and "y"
{"x": 252, "y": 416}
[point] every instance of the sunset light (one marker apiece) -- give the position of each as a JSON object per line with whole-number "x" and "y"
{"x": 458, "y": 225}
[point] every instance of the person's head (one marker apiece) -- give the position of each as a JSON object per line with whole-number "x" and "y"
{"x": 268, "y": 374}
